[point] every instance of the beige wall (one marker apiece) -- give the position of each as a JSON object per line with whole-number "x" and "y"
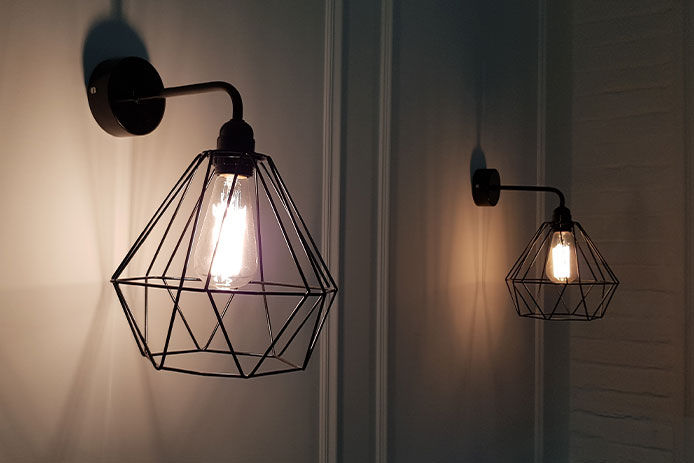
{"x": 73, "y": 386}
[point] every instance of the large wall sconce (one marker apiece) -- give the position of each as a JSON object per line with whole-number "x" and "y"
{"x": 225, "y": 279}
{"x": 560, "y": 275}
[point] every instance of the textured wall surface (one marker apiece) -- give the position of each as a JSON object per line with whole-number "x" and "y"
{"x": 627, "y": 189}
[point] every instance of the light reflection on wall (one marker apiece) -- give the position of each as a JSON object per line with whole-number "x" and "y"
{"x": 462, "y": 361}
{"x": 75, "y": 387}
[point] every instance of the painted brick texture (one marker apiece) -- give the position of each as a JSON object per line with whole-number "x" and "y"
{"x": 627, "y": 189}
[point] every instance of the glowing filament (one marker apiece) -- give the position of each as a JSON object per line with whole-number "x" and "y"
{"x": 226, "y": 247}
{"x": 561, "y": 255}
{"x": 561, "y": 264}
{"x": 230, "y": 250}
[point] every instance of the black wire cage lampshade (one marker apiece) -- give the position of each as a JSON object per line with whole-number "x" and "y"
{"x": 225, "y": 279}
{"x": 560, "y": 275}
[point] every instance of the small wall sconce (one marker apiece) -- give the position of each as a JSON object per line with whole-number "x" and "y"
{"x": 560, "y": 275}
{"x": 225, "y": 279}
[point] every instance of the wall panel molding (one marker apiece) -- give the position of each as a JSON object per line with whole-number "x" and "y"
{"x": 330, "y": 227}
{"x": 383, "y": 233}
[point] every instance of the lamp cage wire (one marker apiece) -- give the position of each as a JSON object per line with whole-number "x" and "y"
{"x": 182, "y": 323}
{"x": 585, "y": 298}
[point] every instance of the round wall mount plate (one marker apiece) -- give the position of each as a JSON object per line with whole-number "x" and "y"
{"x": 485, "y": 187}
{"x": 113, "y": 90}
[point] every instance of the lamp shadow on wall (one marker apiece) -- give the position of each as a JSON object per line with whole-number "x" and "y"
{"x": 107, "y": 37}
{"x": 478, "y": 320}
{"x": 477, "y": 159}
{"x": 110, "y": 37}
{"x": 15, "y": 434}
{"x": 89, "y": 394}
{"x": 73, "y": 412}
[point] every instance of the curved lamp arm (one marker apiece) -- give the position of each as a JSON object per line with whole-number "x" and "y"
{"x": 486, "y": 188}
{"x": 548, "y": 189}
{"x": 127, "y": 97}
{"x": 193, "y": 89}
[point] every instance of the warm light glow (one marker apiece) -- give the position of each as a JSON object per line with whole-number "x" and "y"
{"x": 561, "y": 260}
{"x": 226, "y": 244}
{"x": 561, "y": 254}
{"x": 227, "y": 261}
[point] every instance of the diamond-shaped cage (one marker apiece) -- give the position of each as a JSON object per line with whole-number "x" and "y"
{"x": 535, "y": 295}
{"x": 182, "y": 323}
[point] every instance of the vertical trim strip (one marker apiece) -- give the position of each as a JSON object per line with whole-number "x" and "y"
{"x": 330, "y": 227}
{"x": 383, "y": 233}
{"x": 540, "y": 163}
{"x": 688, "y": 90}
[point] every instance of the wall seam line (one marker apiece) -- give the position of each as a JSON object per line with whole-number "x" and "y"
{"x": 330, "y": 228}
{"x": 688, "y": 116}
{"x": 383, "y": 233}
{"x": 540, "y": 174}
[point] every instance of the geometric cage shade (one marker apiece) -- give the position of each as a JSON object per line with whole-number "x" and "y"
{"x": 561, "y": 275}
{"x": 185, "y": 312}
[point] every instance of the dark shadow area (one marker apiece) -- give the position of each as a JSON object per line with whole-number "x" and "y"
{"x": 110, "y": 37}
{"x": 88, "y": 380}
{"x": 73, "y": 413}
{"x": 15, "y": 436}
{"x": 477, "y": 159}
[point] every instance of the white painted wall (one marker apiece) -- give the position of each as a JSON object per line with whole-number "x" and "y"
{"x": 623, "y": 150}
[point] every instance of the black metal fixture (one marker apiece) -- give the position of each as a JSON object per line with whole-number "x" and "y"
{"x": 225, "y": 279}
{"x": 560, "y": 275}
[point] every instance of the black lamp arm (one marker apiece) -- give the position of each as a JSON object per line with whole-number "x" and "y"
{"x": 548, "y": 189}
{"x": 486, "y": 188}
{"x": 193, "y": 89}
{"x": 127, "y": 97}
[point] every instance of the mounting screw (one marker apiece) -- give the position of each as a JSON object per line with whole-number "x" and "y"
{"x": 92, "y": 90}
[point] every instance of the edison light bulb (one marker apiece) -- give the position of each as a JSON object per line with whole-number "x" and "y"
{"x": 561, "y": 259}
{"x": 226, "y": 245}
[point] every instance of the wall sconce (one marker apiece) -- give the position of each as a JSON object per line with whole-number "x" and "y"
{"x": 225, "y": 279}
{"x": 560, "y": 275}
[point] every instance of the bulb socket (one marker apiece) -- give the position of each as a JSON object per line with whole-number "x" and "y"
{"x": 236, "y": 140}
{"x": 236, "y": 135}
{"x": 561, "y": 219}
{"x": 228, "y": 163}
